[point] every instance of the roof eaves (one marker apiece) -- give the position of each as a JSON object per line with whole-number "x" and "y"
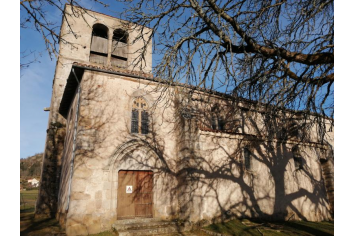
{"x": 150, "y": 77}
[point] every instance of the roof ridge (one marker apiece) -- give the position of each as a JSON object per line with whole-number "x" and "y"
{"x": 150, "y": 76}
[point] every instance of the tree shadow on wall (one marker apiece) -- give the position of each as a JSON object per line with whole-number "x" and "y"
{"x": 199, "y": 164}
{"x": 209, "y": 178}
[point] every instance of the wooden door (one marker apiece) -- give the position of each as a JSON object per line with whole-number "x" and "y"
{"x": 125, "y": 201}
{"x": 143, "y": 196}
{"x": 134, "y": 194}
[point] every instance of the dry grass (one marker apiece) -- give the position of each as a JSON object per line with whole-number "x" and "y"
{"x": 29, "y": 225}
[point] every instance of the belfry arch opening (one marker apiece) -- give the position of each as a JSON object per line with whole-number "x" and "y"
{"x": 119, "y": 48}
{"x": 99, "y": 44}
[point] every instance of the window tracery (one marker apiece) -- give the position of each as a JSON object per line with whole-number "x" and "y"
{"x": 139, "y": 116}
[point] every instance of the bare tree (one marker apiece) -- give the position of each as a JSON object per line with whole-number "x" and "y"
{"x": 35, "y": 14}
{"x": 26, "y": 61}
{"x": 279, "y": 53}
{"x": 275, "y": 52}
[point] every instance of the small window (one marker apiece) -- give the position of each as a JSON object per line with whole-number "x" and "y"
{"x": 139, "y": 117}
{"x": 217, "y": 123}
{"x": 213, "y": 122}
{"x": 297, "y": 157}
{"x": 247, "y": 159}
{"x": 294, "y": 130}
{"x": 221, "y": 124}
{"x": 298, "y": 162}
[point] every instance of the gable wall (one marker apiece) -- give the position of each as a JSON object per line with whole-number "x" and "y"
{"x": 103, "y": 148}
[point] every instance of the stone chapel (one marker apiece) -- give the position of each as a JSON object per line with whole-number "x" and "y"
{"x": 122, "y": 144}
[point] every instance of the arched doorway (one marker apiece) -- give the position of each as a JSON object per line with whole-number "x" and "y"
{"x": 133, "y": 163}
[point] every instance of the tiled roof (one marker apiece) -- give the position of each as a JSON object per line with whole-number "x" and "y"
{"x": 150, "y": 77}
{"x": 116, "y": 69}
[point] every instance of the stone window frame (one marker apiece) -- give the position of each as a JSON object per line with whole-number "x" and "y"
{"x": 217, "y": 122}
{"x": 247, "y": 158}
{"x": 298, "y": 159}
{"x": 140, "y": 122}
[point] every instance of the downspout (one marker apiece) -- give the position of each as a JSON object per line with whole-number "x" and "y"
{"x": 74, "y": 141}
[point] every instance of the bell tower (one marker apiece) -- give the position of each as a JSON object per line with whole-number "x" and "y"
{"x": 96, "y": 40}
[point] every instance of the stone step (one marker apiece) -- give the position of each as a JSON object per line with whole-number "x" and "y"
{"x": 129, "y": 225}
{"x": 185, "y": 234}
{"x": 149, "y": 231}
{"x": 135, "y": 220}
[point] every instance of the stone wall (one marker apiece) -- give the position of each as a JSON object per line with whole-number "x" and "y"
{"x": 105, "y": 145}
{"x": 198, "y": 175}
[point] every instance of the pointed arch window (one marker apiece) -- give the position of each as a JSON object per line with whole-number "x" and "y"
{"x": 139, "y": 116}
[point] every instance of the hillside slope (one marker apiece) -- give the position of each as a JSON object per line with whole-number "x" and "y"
{"x": 30, "y": 167}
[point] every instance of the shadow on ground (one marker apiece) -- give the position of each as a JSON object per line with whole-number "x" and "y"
{"x": 256, "y": 227}
{"x": 29, "y": 225}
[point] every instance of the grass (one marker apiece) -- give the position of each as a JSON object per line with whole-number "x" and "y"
{"x": 257, "y": 228}
{"x": 28, "y": 200}
{"x": 29, "y": 225}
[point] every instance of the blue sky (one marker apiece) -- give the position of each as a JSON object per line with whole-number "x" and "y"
{"x": 35, "y": 94}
